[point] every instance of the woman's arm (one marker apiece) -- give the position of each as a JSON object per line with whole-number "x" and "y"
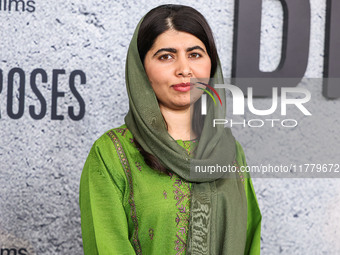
{"x": 254, "y": 215}
{"x": 103, "y": 219}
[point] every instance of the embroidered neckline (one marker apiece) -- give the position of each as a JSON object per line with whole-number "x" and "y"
{"x": 190, "y": 146}
{"x": 191, "y": 140}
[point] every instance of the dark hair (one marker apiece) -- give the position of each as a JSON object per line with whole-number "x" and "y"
{"x": 185, "y": 19}
{"x": 178, "y": 17}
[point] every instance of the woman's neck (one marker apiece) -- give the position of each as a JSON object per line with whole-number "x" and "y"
{"x": 179, "y": 122}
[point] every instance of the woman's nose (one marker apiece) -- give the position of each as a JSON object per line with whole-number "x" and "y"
{"x": 183, "y": 67}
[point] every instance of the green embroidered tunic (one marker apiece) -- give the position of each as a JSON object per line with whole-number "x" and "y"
{"x": 129, "y": 208}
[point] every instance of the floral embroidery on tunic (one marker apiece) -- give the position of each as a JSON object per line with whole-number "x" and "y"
{"x": 165, "y": 194}
{"x": 122, "y": 131}
{"x": 138, "y": 165}
{"x": 182, "y": 195}
{"x": 151, "y": 233}
{"x": 127, "y": 169}
{"x": 191, "y": 146}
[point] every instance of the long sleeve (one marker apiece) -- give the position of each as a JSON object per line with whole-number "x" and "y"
{"x": 104, "y": 222}
{"x": 254, "y": 215}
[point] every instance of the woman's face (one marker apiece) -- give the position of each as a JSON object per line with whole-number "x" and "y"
{"x": 173, "y": 60}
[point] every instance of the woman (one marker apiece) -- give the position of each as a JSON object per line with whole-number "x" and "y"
{"x": 137, "y": 194}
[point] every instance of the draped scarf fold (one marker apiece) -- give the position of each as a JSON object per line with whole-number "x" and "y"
{"x": 218, "y": 213}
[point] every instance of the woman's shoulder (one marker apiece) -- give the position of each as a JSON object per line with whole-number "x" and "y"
{"x": 122, "y": 130}
{"x": 107, "y": 156}
{"x": 116, "y": 136}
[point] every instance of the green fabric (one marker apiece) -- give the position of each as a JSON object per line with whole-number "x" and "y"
{"x": 111, "y": 194}
{"x": 218, "y": 223}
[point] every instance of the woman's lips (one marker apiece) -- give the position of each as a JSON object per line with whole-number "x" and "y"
{"x": 183, "y": 87}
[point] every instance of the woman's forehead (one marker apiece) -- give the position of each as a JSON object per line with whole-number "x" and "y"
{"x": 176, "y": 39}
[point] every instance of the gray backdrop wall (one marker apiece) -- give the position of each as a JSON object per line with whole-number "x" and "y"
{"x": 41, "y": 159}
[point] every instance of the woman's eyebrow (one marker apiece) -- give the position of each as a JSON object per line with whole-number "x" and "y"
{"x": 195, "y": 48}
{"x": 173, "y": 50}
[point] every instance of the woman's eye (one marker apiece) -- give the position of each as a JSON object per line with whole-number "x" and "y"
{"x": 165, "y": 57}
{"x": 195, "y": 55}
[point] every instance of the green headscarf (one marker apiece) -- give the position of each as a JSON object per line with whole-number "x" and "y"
{"x": 218, "y": 213}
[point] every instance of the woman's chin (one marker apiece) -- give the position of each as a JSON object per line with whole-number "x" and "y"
{"x": 183, "y": 105}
